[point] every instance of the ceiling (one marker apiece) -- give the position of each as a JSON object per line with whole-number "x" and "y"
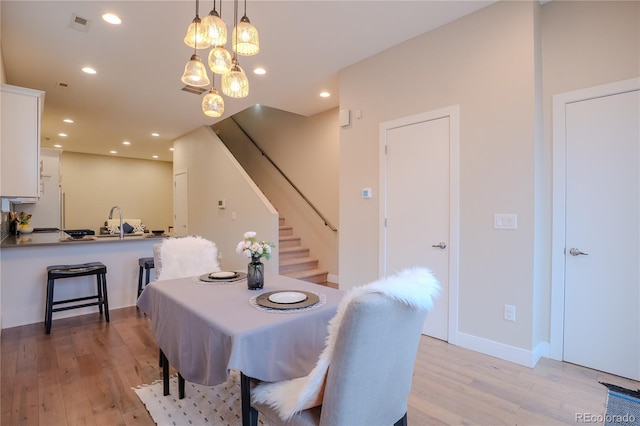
{"x": 137, "y": 89}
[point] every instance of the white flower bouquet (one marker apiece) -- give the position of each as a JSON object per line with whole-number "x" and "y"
{"x": 251, "y": 247}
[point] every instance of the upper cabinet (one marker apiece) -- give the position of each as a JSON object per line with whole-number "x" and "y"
{"x": 20, "y": 141}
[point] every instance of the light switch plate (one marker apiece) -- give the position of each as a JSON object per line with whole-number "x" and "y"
{"x": 505, "y": 221}
{"x": 366, "y": 193}
{"x": 344, "y": 117}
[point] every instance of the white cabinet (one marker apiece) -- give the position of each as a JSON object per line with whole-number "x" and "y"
{"x": 47, "y": 210}
{"x": 20, "y": 141}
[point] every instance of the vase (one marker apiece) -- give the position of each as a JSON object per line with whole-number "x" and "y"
{"x": 255, "y": 274}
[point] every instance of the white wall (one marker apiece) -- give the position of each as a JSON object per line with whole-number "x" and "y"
{"x": 306, "y": 149}
{"x": 213, "y": 174}
{"x": 501, "y": 64}
{"x": 92, "y": 184}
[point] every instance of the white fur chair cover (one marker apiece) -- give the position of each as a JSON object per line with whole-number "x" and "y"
{"x": 415, "y": 287}
{"x": 187, "y": 257}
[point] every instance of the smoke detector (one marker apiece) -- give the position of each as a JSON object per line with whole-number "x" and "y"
{"x": 79, "y": 23}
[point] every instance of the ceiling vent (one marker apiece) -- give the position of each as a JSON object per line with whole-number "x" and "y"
{"x": 193, "y": 89}
{"x": 62, "y": 85}
{"x": 79, "y": 23}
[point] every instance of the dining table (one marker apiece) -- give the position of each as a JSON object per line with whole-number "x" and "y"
{"x": 209, "y": 325}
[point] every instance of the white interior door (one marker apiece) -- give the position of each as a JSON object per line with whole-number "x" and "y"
{"x": 602, "y": 245}
{"x": 417, "y": 199}
{"x": 180, "y": 203}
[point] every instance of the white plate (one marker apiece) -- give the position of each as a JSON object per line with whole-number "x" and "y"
{"x": 287, "y": 297}
{"x": 223, "y": 274}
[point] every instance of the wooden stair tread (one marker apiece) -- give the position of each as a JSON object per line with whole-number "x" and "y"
{"x": 292, "y": 249}
{"x": 296, "y": 260}
{"x": 307, "y": 273}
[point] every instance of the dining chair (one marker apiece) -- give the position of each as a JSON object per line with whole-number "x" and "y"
{"x": 179, "y": 257}
{"x": 363, "y": 376}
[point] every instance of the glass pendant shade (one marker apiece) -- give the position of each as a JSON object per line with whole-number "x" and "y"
{"x": 235, "y": 83}
{"x": 195, "y": 73}
{"x": 245, "y": 38}
{"x": 220, "y": 60}
{"x": 213, "y": 104}
{"x": 214, "y": 29}
{"x": 196, "y": 38}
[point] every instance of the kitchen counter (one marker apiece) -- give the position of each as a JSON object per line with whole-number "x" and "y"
{"x": 23, "y": 275}
{"x": 61, "y": 238}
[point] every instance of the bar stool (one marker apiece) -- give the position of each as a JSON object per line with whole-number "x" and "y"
{"x": 146, "y": 264}
{"x": 71, "y": 271}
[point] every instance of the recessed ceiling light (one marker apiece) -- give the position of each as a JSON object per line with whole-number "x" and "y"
{"x": 155, "y": 134}
{"x": 68, "y": 120}
{"x": 111, "y": 18}
{"x": 62, "y": 135}
{"x": 154, "y": 156}
{"x": 325, "y": 94}
{"x": 126, "y": 143}
{"x": 171, "y": 149}
{"x": 57, "y": 146}
{"x": 89, "y": 70}
{"x": 113, "y": 152}
{"x": 260, "y": 71}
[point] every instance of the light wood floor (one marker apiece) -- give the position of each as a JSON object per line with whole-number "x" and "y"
{"x": 83, "y": 372}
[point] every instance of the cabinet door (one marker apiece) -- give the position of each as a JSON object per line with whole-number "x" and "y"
{"x": 20, "y": 143}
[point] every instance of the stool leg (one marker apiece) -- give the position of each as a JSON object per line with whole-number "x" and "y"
{"x": 140, "y": 281}
{"x": 100, "y": 296}
{"x": 48, "y": 310}
{"x": 105, "y": 296}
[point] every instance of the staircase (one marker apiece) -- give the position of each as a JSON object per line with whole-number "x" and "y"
{"x": 294, "y": 259}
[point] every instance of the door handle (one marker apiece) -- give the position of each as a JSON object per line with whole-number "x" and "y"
{"x": 575, "y": 252}
{"x": 441, "y": 245}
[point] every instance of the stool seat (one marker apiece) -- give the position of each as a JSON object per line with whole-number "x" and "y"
{"x": 66, "y": 271}
{"x": 146, "y": 264}
{"x": 55, "y": 272}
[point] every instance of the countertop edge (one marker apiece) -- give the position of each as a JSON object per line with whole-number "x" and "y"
{"x": 60, "y": 239}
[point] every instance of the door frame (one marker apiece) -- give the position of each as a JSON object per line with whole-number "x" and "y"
{"x": 556, "y": 338}
{"x": 453, "y": 113}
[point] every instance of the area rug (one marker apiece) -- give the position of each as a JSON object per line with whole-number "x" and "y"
{"x": 623, "y": 406}
{"x": 202, "y": 405}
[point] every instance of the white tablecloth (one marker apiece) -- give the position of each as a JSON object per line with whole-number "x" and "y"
{"x": 207, "y": 329}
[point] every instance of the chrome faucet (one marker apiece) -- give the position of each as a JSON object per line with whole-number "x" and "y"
{"x": 120, "y": 214}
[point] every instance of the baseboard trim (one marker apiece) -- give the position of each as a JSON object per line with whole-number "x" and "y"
{"x": 527, "y": 358}
{"x": 333, "y": 278}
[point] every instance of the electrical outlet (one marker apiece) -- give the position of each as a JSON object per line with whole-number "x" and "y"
{"x": 509, "y": 312}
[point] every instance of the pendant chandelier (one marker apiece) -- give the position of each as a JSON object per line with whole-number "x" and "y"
{"x": 211, "y": 31}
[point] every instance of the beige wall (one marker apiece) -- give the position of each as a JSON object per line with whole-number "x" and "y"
{"x": 92, "y": 184}
{"x": 213, "y": 174}
{"x": 484, "y": 63}
{"x": 501, "y": 64}
{"x": 306, "y": 149}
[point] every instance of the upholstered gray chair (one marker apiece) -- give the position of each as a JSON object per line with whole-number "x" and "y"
{"x": 369, "y": 372}
{"x": 177, "y": 258}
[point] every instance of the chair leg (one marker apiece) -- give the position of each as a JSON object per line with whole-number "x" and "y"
{"x": 165, "y": 373}
{"x": 180, "y": 386}
{"x": 402, "y": 421}
{"x": 249, "y": 414}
